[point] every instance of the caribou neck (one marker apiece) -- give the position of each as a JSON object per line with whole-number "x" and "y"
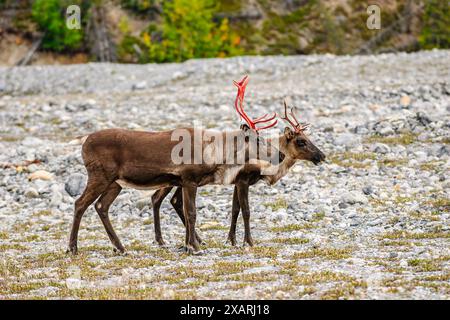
{"x": 283, "y": 167}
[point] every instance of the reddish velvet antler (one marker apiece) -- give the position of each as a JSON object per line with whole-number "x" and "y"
{"x": 294, "y": 123}
{"x": 238, "y": 103}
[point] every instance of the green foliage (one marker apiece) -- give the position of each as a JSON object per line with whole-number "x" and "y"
{"x": 49, "y": 15}
{"x": 436, "y": 25}
{"x": 188, "y": 31}
{"x": 140, "y": 6}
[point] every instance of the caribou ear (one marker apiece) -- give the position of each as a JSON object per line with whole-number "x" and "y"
{"x": 289, "y": 133}
{"x": 245, "y": 127}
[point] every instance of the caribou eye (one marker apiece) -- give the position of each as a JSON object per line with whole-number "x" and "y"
{"x": 301, "y": 143}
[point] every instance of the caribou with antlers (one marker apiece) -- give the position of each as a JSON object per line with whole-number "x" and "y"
{"x": 117, "y": 158}
{"x": 293, "y": 144}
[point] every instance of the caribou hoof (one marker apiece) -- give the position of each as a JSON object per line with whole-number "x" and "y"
{"x": 231, "y": 240}
{"x": 120, "y": 252}
{"x": 72, "y": 250}
{"x": 161, "y": 242}
{"x": 248, "y": 242}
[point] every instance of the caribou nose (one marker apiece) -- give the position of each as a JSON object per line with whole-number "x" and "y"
{"x": 318, "y": 157}
{"x": 322, "y": 156}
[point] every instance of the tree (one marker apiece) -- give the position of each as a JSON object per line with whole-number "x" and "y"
{"x": 50, "y": 18}
{"x": 189, "y": 32}
{"x": 436, "y": 25}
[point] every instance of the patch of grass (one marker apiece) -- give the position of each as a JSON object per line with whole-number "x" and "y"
{"x": 42, "y": 213}
{"x": 352, "y": 159}
{"x": 292, "y": 227}
{"x": 32, "y": 237}
{"x": 440, "y": 204}
{"x": 318, "y": 216}
{"x": 13, "y": 287}
{"x": 225, "y": 267}
{"x": 311, "y": 278}
{"x": 253, "y": 277}
{"x": 138, "y": 246}
{"x": 348, "y": 163}
{"x": 12, "y": 246}
{"x": 424, "y": 265}
{"x": 396, "y": 243}
{"x": 415, "y": 235}
{"x": 280, "y": 203}
{"x": 403, "y": 200}
{"x": 326, "y": 253}
{"x": 291, "y": 241}
{"x": 430, "y": 166}
{"x": 9, "y": 269}
{"x": 147, "y": 222}
{"x": 403, "y": 139}
{"x": 264, "y": 252}
{"x": 21, "y": 227}
{"x": 343, "y": 291}
{"x": 4, "y": 235}
{"x": 438, "y": 277}
{"x": 212, "y": 226}
{"x": 392, "y": 162}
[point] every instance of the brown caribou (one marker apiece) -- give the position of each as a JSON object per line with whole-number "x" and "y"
{"x": 117, "y": 158}
{"x": 293, "y": 144}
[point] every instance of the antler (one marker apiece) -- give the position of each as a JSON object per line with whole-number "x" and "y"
{"x": 241, "y": 85}
{"x": 298, "y": 127}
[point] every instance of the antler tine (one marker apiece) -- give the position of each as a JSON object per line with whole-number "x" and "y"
{"x": 240, "y": 97}
{"x": 300, "y": 125}
{"x": 268, "y": 126}
{"x": 293, "y": 116}
{"x": 286, "y": 116}
{"x": 297, "y": 125}
{"x": 239, "y": 105}
{"x": 259, "y": 120}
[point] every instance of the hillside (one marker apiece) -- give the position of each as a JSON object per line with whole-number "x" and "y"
{"x": 140, "y": 30}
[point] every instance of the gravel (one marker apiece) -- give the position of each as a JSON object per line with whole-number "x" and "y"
{"x": 372, "y": 222}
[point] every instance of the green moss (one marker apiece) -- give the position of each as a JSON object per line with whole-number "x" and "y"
{"x": 318, "y": 216}
{"x": 292, "y": 227}
{"x": 424, "y": 265}
{"x": 319, "y": 277}
{"x": 435, "y": 31}
{"x": 279, "y": 203}
{"x": 402, "y": 139}
{"x": 326, "y": 253}
{"x": 291, "y": 241}
{"x": 414, "y": 236}
{"x": 392, "y": 162}
{"x": 351, "y": 159}
{"x": 225, "y": 267}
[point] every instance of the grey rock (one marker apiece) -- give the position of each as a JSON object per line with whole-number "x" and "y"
{"x": 31, "y": 193}
{"x": 354, "y": 197}
{"x": 347, "y": 140}
{"x": 443, "y": 151}
{"x": 381, "y": 148}
{"x": 139, "y": 86}
{"x": 142, "y": 203}
{"x": 75, "y": 184}
{"x": 367, "y": 190}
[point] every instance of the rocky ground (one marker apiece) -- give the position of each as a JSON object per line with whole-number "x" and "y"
{"x": 371, "y": 223}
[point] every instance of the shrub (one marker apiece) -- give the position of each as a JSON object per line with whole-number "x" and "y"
{"x": 436, "y": 25}
{"x": 49, "y": 15}
{"x": 189, "y": 31}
